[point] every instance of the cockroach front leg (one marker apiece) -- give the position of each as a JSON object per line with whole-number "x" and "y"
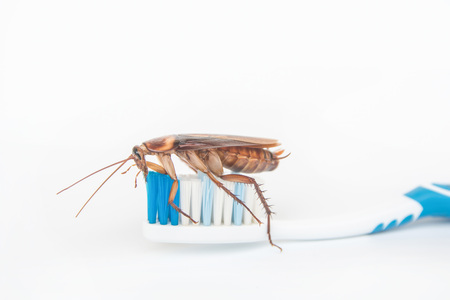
{"x": 169, "y": 168}
{"x": 249, "y": 180}
{"x": 156, "y": 168}
{"x": 153, "y": 166}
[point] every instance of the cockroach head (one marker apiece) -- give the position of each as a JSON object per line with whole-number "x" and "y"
{"x": 138, "y": 155}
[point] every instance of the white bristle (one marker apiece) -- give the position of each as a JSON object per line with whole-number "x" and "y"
{"x": 185, "y": 198}
{"x": 207, "y": 200}
{"x": 228, "y": 204}
{"x": 250, "y": 198}
{"x": 202, "y": 200}
{"x": 195, "y": 188}
{"x": 219, "y": 196}
{"x": 196, "y": 199}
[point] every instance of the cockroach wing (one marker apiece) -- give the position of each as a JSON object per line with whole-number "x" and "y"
{"x": 208, "y": 141}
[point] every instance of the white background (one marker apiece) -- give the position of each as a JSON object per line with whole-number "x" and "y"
{"x": 358, "y": 92}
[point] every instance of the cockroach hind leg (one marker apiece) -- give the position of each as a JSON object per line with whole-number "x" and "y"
{"x": 259, "y": 192}
{"x": 221, "y": 186}
{"x": 269, "y": 216}
{"x": 275, "y": 245}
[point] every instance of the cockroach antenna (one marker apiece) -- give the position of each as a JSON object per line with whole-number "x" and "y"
{"x": 122, "y": 162}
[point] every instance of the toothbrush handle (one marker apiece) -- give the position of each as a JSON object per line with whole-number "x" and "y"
{"x": 429, "y": 201}
{"x": 435, "y": 200}
{"x": 379, "y": 218}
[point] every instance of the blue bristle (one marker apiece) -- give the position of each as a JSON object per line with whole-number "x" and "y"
{"x": 152, "y": 194}
{"x": 163, "y": 195}
{"x": 158, "y": 190}
{"x": 238, "y": 210}
{"x": 207, "y": 200}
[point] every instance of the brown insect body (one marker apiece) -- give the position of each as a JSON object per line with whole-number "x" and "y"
{"x": 247, "y": 160}
{"x": 236, "y": 153}
{"x": 210, "y": 154}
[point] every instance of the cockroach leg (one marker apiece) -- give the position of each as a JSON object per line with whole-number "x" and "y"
{"x": 169, "y": 168}
{"x": 156, "y": 167}
{"x": 188, "y": 164}
{"x": 135, "y": 179}
{"x": 220, "y": 185}
{"x": 173, "y": 193}
{"x": 249, "y": 180}
{"x": 153, "y": 166}
{"x": 126, "y": 171}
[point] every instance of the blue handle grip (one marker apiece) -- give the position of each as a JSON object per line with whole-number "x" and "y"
{"x": 434, "y": 204}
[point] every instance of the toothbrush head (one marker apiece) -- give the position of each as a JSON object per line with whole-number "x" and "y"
{"x": 221, "y": 219}
{"x": 200, "y": 198}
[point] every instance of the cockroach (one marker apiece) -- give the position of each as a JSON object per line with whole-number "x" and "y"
{"x": 210, "y": 154}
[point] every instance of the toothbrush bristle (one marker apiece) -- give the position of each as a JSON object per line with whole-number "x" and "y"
{"x": 200, "y": 198}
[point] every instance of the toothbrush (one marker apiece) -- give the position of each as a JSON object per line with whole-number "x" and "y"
{"x": 222, "y": 220}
